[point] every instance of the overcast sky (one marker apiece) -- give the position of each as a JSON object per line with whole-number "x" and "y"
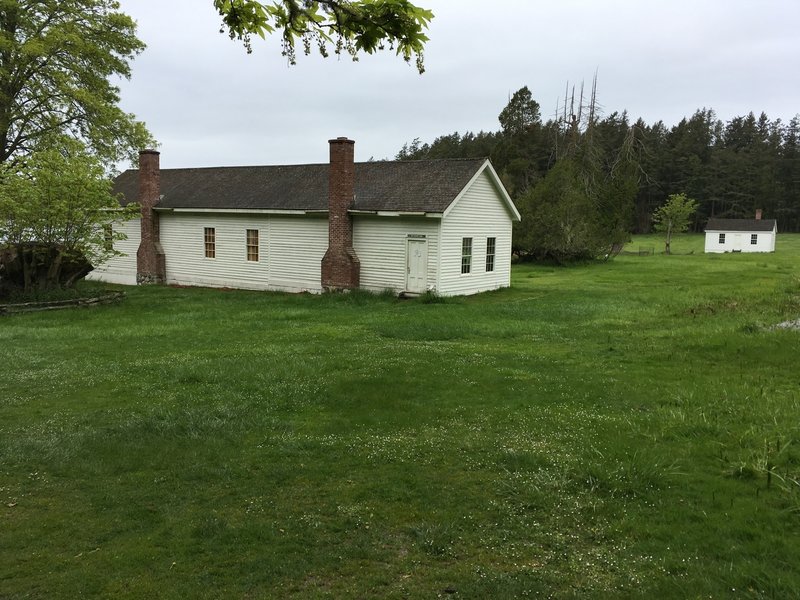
{"x": 209, "y": 103}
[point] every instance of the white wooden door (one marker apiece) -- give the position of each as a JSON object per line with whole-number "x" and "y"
{"x": 417, "y": 266}
{"x": 737, "y": 242}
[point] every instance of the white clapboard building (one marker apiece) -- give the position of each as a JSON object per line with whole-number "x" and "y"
{"x": 741, "y": 235}
{"x": 407, "y": 226}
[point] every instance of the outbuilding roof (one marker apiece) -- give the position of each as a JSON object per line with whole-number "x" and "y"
{"x": 715, "y": 224}
{"x": 400, "y": 186}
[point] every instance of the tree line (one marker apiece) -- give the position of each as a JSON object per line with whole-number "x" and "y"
{"x": 731, "y": 168}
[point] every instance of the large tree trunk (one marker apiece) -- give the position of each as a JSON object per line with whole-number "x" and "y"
{"x": 42, "y": 267}
{"x": 27, "y": 269}
{"x": 80, "y": 273}
{"x": 669, "y": 239}
{"x": 53, "y": 277}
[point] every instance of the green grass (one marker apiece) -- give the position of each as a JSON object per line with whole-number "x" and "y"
{"x": 627, "y": 429}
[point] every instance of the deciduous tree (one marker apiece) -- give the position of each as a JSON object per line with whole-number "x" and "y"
{"x": 346, "y": 26}
{"x": 57, "y": 58}
{"x": 674, "y": 216}
{"x": 55, "y": 208}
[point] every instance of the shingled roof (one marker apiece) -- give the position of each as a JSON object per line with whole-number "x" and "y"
{"x": 715, "y": 224}
{"x": 398, "y": 186}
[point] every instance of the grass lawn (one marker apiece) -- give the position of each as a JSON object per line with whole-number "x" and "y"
{"x": 627, "y": 429}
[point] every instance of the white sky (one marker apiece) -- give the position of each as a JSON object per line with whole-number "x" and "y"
{"x": 209, "y": 103}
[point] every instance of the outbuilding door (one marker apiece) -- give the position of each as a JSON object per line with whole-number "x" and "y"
{"x": 416, "y": 266}
{"x": 737, "y": 242}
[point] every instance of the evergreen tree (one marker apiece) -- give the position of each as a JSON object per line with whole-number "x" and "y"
{"x": 733, "y": 168}
{"x": 651, "y": 155}
{"x": 787, "y": 210}
{"x": 556, "y": 218}
{"x": 520, "y": 114}
{"x": 583, "y": 207}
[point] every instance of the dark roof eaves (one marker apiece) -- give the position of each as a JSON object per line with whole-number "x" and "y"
{"x": 741, "y": 225}
{"x": 409, "y": 187}
{"x": 302, "y": 165}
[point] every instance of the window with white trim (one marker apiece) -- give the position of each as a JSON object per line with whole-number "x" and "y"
{"x": 466, "y": 255}
{"x": 753, "y": 239}
{"x": 210, "y": 238}
{"x": 721, "y": 238}
{"x": 491, "y": 243}
{"x": 252, "y": 245}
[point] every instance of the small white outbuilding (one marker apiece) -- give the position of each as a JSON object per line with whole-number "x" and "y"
{"x": 741, "y": 235}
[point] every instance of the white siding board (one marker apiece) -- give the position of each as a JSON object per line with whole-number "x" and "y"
{"x": 291, "y": 248}
{"x": 480, "y": 213}
{"x": 290, "y": 251}
{"x": 296, "y": 247}
{"x": 381, "y": 244}
{"x": 765, "y": 241}
{"x": 121, "y": 269}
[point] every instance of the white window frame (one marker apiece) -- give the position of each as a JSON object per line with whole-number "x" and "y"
{"x": 491, "y": 252}
{"x": 251, "y": 245}
{"x": 210, "y": 242}
{"x": 466, "y": 255}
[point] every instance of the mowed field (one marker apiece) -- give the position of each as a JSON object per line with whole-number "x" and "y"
{"x": 626, "y": 429}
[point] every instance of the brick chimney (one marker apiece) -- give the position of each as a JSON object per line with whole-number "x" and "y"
{"x": 340, "y": 266}
{"x": 150, "y": 260}
{"x": 758, "y": 214}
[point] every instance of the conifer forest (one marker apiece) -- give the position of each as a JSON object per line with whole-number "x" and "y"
{"x": 585, "y": 181}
